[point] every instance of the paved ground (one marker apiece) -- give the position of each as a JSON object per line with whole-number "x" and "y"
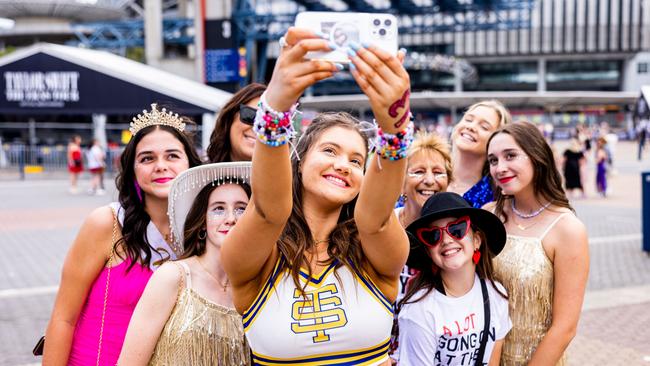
{"x": 39, "y": 219}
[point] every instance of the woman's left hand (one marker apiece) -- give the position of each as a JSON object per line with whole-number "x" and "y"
{"x": 384, "y": 80}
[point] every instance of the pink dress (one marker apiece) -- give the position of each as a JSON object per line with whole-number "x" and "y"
{"x": 124, "y": 291}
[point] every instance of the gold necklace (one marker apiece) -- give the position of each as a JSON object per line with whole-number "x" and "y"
{"x": 224, "y": 286}
{"x": 316, "y": 242}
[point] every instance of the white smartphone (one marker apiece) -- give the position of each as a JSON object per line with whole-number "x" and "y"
{"x": 342, "y": 28}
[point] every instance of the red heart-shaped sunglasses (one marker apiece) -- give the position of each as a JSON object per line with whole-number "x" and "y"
{"x": 432, "y": 236}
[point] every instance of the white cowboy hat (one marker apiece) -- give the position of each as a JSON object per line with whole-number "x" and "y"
{"x": 187, "y": 185}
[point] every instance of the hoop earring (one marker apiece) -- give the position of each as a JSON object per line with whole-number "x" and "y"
{"x": 205, "y": 234}
{"x": 476, "y": 256}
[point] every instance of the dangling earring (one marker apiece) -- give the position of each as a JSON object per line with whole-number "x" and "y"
{"x": 205, "y": 234}
{"x": 402, "y": 200}
{"x": 476, "y": 256}
{"x": 138, "y": 190}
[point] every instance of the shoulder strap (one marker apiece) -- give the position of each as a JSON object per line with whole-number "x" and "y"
{"x": 188, "y": 276}
{"x": 486, "y": 325}
{"x": 549, "y": 227}
{"x": 108, "y": 279}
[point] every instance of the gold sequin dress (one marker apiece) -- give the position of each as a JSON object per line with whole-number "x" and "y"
{"x": 527, "y": 274}
{"x": 200, "y": 332}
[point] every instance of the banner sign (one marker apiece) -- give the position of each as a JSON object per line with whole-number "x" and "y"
{"x": 44, "y": 84}
{"x": 221, "y": 55}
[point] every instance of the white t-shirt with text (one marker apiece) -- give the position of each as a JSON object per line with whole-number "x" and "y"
{"x": 442, "y": 330}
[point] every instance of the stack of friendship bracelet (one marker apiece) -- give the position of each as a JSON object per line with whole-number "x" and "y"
{"x": 273, "y": 128}
{"x": 395, "y": 147}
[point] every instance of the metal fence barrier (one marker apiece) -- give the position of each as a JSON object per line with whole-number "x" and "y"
{"x": 26, "y": 159}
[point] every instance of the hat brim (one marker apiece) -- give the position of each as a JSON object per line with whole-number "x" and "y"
{"x": 487, "y": 222}
{"x": 187, "y": 185}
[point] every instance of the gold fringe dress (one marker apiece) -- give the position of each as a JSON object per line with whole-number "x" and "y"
{"x": 200, "y": 332}
{"x": 527, "y": 273}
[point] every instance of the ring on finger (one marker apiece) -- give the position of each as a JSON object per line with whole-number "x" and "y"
{"x": 283, "y": 42}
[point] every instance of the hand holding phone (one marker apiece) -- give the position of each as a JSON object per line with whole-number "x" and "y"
{"x": 344, "y": 29}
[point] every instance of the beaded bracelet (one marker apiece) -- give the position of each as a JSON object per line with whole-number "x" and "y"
{"x": 394, "y": 147}
{"x": 273, "y": 128}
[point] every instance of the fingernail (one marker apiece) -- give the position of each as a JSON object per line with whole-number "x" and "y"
{"x": 350, "y": 52}
{"x": 366, "y": 44}
{"x": 355, "y": 46}
{"x": 332, "y": 45}
{"x": 403, "y": 50}
{"x": 320, "y": 34}
{"x": 352, "y": 67}
{"x": 338, "y": 66}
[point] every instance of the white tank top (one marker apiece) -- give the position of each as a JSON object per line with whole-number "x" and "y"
{"x": 344, "y": 320}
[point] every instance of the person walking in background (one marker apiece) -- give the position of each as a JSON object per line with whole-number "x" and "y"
{"x": 75, "y": 162}
{"x": 642, "y": 134}
{"x": 233, "y": 137}
{"x": 185, "y": 315}
{"x": 545, "y": 262}
{"x": 452, "y": 248}
{"x": 601, "y": 166}
{"x": 96, "y": 163}
{"x": 118, "y": 246}
{"x": 469, "y": 139}
{"x": 312, "y": 245}
{"x": 572, "y": 163}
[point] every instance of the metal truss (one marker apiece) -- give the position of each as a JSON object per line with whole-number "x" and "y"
{"x": 119, "y": 35}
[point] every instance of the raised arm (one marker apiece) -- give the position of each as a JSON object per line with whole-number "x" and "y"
{"x": 150, "y": 315}
{"x": 84, "y": 261}
{"x": 249, "y": 249}
{"x": 570, "y": 269}
{"x": 384, "y": 80}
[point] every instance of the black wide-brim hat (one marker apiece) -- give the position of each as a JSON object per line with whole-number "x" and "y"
{"x": 449, "y": 204}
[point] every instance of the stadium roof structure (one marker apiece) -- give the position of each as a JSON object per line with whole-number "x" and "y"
{"x": 48, "y": 78}
{"x": 78, "y": 10}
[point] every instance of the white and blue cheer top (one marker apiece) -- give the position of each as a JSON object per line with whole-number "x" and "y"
{"x": 339, "y": 321}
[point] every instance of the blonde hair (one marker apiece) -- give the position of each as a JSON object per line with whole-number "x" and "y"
{"x": 431, "y": 142}
{"x": 504, "y": 115}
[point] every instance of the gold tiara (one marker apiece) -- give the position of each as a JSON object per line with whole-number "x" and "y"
{"x": 156, "y": 117}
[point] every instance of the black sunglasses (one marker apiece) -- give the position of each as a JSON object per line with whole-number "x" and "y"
{"x": 247, "y": 114}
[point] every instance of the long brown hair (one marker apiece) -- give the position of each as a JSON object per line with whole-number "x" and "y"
{"x": 136, "y": 219}
{"x": 195, "y": 222}
{"x": 547, "y": 181}
{"x": 429, "y": 278}
{"x": 344, "y": 244}
{"x": 220, "y": 147}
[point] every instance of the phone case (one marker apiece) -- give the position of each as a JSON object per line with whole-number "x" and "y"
{"x": 377, "y": 29}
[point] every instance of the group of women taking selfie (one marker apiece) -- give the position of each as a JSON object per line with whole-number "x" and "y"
{"x": 288, "y": 248}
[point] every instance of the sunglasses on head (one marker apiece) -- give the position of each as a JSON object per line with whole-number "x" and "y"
{"x": 432, "y": 236}
{"x": 247, "y": 114}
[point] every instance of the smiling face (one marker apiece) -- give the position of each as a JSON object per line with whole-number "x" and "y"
{"x": 159, "y": 158}
{"x": 473, "y": 131}
{"x": 225, "y": 206}
{"x": 332, "y": 169}
{"x": 242, "y": 137}
{"x": 425, "y": 176}
{"x": 452, "y": 254}
{"x": 510, "y": 167}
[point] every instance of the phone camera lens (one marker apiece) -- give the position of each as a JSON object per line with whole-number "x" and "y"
{"x": 376, "y": 22}
{"x": 382, "y": 32}
{"x": 387, "y": 22}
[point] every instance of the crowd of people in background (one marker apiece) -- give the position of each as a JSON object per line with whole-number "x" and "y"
{"x": 349, "y": 242}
